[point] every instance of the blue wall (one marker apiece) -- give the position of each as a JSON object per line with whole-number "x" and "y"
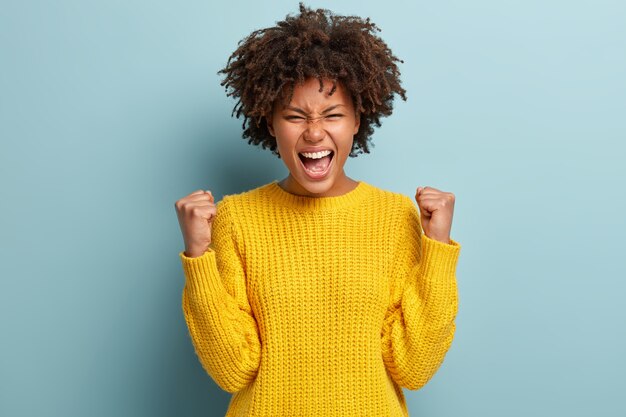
{"x": 111, "y": 111}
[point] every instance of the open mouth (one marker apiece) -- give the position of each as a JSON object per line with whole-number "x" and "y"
{"x": 317, "y": 167}
{"x": 305, "y": 159}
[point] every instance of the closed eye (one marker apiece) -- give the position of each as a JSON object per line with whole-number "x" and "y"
{"x": 295, "y": 118}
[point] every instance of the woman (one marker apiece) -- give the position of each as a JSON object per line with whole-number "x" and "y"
{"x": 318, "y": 295}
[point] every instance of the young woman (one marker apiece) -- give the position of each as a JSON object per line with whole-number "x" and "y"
{"x": 317, "y": 295}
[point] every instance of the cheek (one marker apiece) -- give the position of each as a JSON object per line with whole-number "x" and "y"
{"x": 343, "y": 135}
{"x": 286, "y": 135}
{"x": 285, "y": 140}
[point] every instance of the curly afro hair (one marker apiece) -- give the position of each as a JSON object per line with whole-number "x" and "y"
{"x": 320, "y": 44}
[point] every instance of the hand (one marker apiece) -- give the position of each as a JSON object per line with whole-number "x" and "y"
{"x": 436, "y": 211}
{"x": 196, "y": 213}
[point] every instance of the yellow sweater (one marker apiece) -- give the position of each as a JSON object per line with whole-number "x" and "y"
{"x": 320, "y": 306}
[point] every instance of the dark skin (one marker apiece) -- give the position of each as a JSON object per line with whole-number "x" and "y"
{"x": 288, "y": 125}
{"x": 436, "y": 212}
{"x": 320, "y": 120}
{"x": 265, "y": 66}
{"x": 316, "y": 43}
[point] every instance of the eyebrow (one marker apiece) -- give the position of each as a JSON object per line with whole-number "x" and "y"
{"x": 299, "y": 110}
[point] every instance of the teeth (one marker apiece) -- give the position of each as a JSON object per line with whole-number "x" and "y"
{"x": 316, "y": 155}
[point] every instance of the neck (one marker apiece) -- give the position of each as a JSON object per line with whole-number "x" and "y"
{"x": 341, "y": 186}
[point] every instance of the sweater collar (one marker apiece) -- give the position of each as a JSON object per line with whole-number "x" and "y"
{"x": 305, "y": 203}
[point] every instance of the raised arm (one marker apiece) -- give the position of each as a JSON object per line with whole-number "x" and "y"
{"x": 222, "y": 327}
{"x": 419, "y": 325}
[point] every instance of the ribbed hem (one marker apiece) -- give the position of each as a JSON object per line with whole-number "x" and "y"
{"x": 440, "y": 256}
{"x": 202, "y": 275}
{"x": 305, "y": 203}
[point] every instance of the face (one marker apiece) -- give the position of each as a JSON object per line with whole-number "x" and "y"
{"x": 313, "y": 123}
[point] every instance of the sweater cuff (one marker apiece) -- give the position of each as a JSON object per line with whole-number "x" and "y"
{"x": 439, "y": 256}
{"x": 202, "y": 276}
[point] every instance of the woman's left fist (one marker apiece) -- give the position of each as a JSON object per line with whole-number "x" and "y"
{"x": 436, "y": 210}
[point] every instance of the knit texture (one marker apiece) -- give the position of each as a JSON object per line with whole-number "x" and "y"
{"x": 319, "y": 307}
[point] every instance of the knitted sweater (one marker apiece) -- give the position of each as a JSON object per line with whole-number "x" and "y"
{"x": 317, "y": 307}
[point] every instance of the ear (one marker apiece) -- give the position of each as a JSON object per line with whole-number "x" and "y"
{"x": 357, "y": 123}
{"x": 270, "y": 124}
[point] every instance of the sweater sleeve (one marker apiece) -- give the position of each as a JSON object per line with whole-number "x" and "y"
{"x": 221, "y": 324}
{"x": 418, "y": 327}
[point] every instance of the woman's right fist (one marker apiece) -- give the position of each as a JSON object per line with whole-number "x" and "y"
{"x": 196, "y": 213}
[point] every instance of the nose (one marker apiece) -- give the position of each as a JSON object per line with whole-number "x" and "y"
{"x": 314, "y": 131}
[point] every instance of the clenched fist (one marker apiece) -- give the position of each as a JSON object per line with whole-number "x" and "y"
{"x": 436, "y": 212}
{"x": 196, "y": 213}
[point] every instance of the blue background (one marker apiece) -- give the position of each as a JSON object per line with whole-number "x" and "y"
{"x": 110, "y": 111}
